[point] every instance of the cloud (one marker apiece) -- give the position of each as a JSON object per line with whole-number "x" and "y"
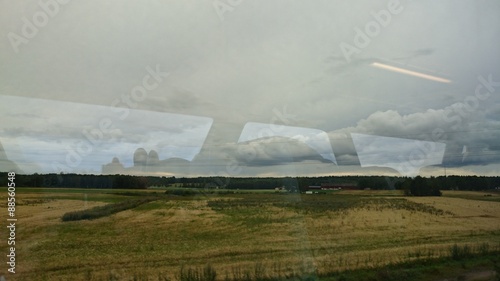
{"x": 274, "y": 151}
{"x": 451, "y": 125}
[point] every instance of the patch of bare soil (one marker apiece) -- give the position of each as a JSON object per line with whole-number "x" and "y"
{"x": 484, "y": 275}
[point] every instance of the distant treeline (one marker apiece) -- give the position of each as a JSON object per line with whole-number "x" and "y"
{"x": 288, "y": 183}
{"x": 79, "y": 181}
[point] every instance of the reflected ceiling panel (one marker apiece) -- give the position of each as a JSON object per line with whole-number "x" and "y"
{"x": 403, "y": 155}
{"x": 410, "y": 72}
{"x": 314, "y": 138}
{"x": 55, "y": 136}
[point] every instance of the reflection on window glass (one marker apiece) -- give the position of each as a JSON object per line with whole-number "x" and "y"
{"x": 263, "y": 140}
{"x": 403, "y": 155}
{"x": 55, "y": 136}
{"x": 315, "y": 139}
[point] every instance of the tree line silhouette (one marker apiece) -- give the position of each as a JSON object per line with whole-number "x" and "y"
{"x": 417, "y": 186}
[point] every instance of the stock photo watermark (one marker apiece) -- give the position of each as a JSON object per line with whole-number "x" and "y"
{"x": 47, "y": 9}
{"x": 484, "y": 89}
{"x": 11, "y": 221}
{"x": 364, "y": 36}
{"x": 280, "y": 119}
{"x": 455, "y": 117}
{"x": 225, "y": 6}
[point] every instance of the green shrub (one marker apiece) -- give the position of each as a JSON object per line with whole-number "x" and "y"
{"x": 460, "y": 252}
{"x": 106, "y": 210}
{"x": 208, "y": 273}
{"x": 483, "y": 248}
{"x": 182, "y": 192}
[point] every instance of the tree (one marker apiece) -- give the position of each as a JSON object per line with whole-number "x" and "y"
{"x": 420, "y": 186}
{"x": 373, "y": 182}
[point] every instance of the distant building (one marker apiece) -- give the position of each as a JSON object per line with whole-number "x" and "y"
{"x": 339, "y": 186}
{"x": 329, "y": 186}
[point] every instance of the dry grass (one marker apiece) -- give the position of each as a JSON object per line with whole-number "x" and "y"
{"x": 159, "y": 237}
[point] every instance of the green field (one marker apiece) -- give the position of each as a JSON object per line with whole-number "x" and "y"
{"x": 248, "y": 235}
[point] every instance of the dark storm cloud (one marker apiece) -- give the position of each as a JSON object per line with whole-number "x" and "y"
{"x": 470, "y": 138}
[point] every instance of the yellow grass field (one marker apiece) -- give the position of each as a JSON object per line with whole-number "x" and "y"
{"x": 280, "y": 233}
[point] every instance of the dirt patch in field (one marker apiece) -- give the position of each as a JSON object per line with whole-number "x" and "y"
{"x": 484, "y": 275}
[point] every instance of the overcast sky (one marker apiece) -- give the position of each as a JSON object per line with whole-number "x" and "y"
{"x": 248, "y": 87}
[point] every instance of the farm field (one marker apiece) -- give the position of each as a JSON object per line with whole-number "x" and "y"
{"x": 242, "y": 235}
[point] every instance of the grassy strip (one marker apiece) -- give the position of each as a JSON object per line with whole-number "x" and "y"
{"x": 106, "y": 210}
{"x": 420, "y": 270}
{"x": 134, "y": 194}
{"x": 323, "y": 203}
{"x": 488, "y": 197}
{"x": 448, "y": 268}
